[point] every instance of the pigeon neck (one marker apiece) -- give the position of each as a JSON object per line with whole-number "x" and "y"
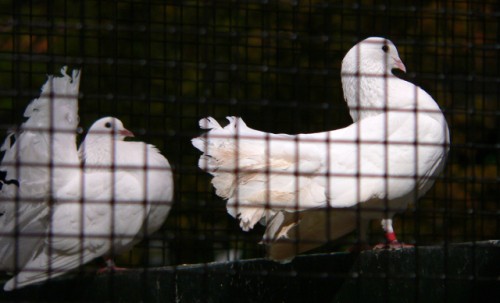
{"x": 366, "y": 93}
{"x": 98, "y": 151}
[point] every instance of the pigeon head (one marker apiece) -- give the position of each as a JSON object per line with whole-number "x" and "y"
{"x": 372, "y": 56}
{"x": 98, "y": 146}
{"x": 367, "y": 75}
{"x": 111, "y": 128}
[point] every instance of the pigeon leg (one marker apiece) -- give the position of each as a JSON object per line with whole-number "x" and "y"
{"x": 110, "y": 267}
{"x": 390, "y": 236}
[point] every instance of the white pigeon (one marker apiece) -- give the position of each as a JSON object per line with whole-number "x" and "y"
{"x": 33, "y": 166}
{"x": 100, "y": 151}
{"x": 123, "y": 192}
{"x": 312, "y": 188}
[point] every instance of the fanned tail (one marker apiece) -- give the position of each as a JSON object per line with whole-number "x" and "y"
{"x": 57, "y": 105}
{"x": 256, "y": 172}
{"x": 209, "y": 123}
{"x": 41, "y": 148}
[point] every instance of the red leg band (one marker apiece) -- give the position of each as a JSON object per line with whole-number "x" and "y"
{"x": 391, "y": 237}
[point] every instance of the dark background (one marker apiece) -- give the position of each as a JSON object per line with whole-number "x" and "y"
{"x": 160, "y": 66}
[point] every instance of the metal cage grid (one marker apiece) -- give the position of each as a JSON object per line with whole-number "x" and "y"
{"x": 160, "y": 66}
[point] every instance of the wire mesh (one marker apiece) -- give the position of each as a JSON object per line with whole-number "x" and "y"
{"x": 160, "y": 66}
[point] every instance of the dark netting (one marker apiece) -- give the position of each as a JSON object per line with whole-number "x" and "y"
{"x": 161, "y": 66}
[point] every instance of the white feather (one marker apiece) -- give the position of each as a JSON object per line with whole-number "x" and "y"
{"x": 124, "y": 192}
{"x": 33, "y": 158}
{"x": 384, "y": 161}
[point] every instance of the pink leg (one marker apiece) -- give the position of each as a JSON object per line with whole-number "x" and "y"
{"x": 390, "y": 236}
{"x": 110, "y": 267}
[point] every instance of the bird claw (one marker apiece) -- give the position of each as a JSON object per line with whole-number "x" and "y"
{"x": 110, "y": 267}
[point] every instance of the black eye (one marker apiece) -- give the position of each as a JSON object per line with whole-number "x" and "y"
{"x": 385, "y": 48}
{"x": 107, "y": 125}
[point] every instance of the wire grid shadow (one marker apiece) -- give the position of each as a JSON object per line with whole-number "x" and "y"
{"x": 161, "y": 66}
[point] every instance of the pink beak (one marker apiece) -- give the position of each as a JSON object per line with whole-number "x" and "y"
{"x": 399, "y": 64}
{"x": 126, "y": 133}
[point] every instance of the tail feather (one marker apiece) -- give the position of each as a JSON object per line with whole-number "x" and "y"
{"x": 209, "y": 123}
{"x": 32, "y": 173}
{"x": 257, "y": 171}
{"x": 57, "y": 105}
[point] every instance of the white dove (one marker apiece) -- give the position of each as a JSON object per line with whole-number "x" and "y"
{"x": 33, "y": 166}
{"x": 123, "y": 192}
{"x": 312, "y": 188}
{"x": 100, "y": 151}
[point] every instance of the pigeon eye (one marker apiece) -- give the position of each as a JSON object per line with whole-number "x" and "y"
{"x": 107, "y": 125}
{"x": 385, "y": 48}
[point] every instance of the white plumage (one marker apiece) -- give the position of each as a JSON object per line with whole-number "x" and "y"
{"x": 307, "y": 187}
{"x": 123, "y": 192}
{"x": 142, "y": 161}
{"x": 32, "y": 167}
